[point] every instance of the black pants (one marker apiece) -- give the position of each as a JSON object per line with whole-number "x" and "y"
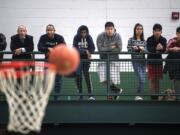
{"x": 57, "y": 85}
{"x": 84, "y": 70}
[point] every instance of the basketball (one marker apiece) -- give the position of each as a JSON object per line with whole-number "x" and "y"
{"x": 66, "y": 59}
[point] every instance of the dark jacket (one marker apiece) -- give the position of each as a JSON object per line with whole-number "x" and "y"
{"x": 151, "y": 48}
{"x": 45, "y": 42}
{"x": 3, "y": 44}
{"x": 173, "y": 67}
{"x": 28, "y": 44}
{"x": 83, "y": 44}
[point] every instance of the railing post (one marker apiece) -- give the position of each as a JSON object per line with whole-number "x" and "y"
{"x": 108, "y": 74}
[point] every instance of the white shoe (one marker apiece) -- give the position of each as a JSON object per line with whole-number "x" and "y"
{"x": 121, "y": 90}
{"x": 138, "y": 98}
{"x": 91, "y": 98}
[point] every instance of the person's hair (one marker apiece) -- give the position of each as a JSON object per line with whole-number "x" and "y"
{"x": 109, "y": 24}
{"x": 83, "y": 28}
{"x": 142, "y": 35}
{"x": 157, "y": 26}
{"x": 178, "y": 30}
{"x": 50, "y": 25}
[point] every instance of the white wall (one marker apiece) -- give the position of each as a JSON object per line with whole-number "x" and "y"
{"x": 68, "y": 15}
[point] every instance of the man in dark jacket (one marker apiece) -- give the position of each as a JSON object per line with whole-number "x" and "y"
{"x": 173, "y": 67}
{"x": 156, "y": 44}
{"x": 3, "y": 45}
{"x": 45, "y": 45}
{"x": 83, "y": 42}
{"x": 22, "y": 44}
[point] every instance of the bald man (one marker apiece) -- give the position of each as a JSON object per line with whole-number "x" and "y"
{"x": 22, "y": 44}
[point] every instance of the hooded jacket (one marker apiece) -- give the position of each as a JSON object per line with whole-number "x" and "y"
{"x": 83, "y": 44}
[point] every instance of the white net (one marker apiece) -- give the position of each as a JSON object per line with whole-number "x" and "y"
{"x": 27, "y": 95}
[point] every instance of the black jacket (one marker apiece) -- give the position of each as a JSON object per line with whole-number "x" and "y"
{"x": 28, "y": 44}
{"x": 3, "y": 44}
{"x": 45, "y": 42}
{"x": 151, "y": 47}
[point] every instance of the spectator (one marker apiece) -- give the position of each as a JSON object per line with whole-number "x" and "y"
{"x": 3, "y": 45}
{"x": 156, "y": 44}
{"x": 136, "y": 44}
{"x": 83, "y": 42}
{"x": 22, "y": 44}
{"x": 45, "y": 45}
{"x": 110, "y": 41}
{"x": 173, "y": 67}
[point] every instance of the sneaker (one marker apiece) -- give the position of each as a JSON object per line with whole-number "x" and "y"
{"x": 91, "y": 98}
{"x": 119, "y": 92}
{"x": 138, "y": 98}
{"x": 114, "y": 88}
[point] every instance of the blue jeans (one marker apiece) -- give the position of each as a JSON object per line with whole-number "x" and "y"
{"x": 140, "y": 71}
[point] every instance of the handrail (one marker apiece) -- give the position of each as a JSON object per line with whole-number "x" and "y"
{"x": 107, "y": 61}
{"x": 124, "y": 52}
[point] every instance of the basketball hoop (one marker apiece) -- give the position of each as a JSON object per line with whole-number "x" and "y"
{"x": 27, "y": 86}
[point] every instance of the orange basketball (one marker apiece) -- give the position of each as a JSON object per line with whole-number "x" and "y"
{"x": 65, "y": 58}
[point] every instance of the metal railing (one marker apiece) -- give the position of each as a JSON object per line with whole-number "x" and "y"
{"x": 119, "y": 73}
